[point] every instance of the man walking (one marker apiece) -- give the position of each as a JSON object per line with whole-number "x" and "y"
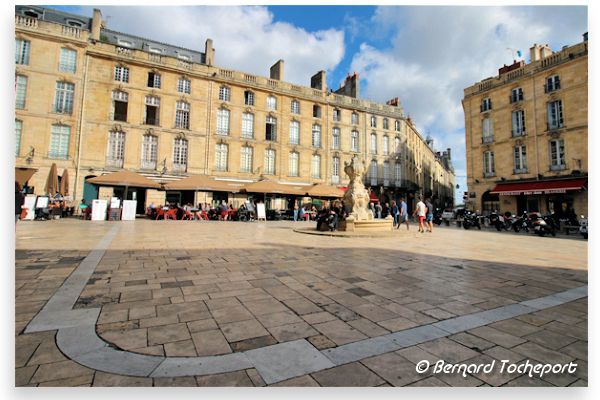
{"x": 429, "y": 214}
{"x": 420, "y": 212}
{"x": 403, "y": 214}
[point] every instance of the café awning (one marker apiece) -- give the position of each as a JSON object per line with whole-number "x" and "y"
{"x": 205, "y": 183}
{"x": 556, "y": 186}
{"x": 22, "y": 175}
{"x": 275, "y": 187}
{"x": 124, "y": 178}
{"x": 321, "y": 190}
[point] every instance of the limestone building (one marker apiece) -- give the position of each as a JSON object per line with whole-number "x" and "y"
{"x": 94, "y": 100}
{"x": 527, "y": 134}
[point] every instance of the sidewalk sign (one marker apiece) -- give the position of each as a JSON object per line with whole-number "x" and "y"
{"x": 129, "y": 208}
{"x": 260, "y": 212}
{"x": 99, "y": 210}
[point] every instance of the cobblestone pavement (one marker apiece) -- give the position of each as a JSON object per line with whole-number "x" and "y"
{"x": 179, "y": 289}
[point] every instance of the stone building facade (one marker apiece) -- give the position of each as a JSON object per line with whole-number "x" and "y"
{"x": 527, "y": 134}
{"x": 93, "y": 100}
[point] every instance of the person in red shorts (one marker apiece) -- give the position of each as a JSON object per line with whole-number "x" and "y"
{"x": 421, "y": 212}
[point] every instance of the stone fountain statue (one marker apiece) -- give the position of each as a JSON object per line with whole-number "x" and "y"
{"x": 356, "y": 198}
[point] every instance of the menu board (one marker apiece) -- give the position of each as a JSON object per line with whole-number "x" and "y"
{"x": 260, "y": 211}
{"x": 99, "y": 210}
{"x": 29, "y": 204}
{"x": 129, "y": 208}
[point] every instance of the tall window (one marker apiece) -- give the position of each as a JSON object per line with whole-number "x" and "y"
{"x": 386, "y": 145}
{"x": 316, "y": 135}
{"x": 486, "y": 104}
{"x": 116, "y": 149}
{"x": 248, "y": 98}
{"x": 397, "y": 145}
{"x": 487, "y": 128}
{"x": 335, "y": 139}
{"x": 184, "y": 86}
{"x": 354, "y": 118}
{"x": 121, "y": 74}
{"x": 315, "y": 171}
{"x": 222, "y": 121}
{"x": 20, "y": 91}
{"x": 63, "y": 100}
{"x": 386, "y": 124}
{"x": 294, "y": 132}
{"x": 182, "y": 115}
{"x": 488, "y": 164}
{"x": 398, "y": 173}
{"x": 149, "y": 151}
{"x": 295, "y": 107}
{"x": 68, "y": 60}
{"x": 520, "y": 155}
{"x": 516, "y": 95}
{"x": 270, "y": 162}
{"x": 337, "y": 115}
{"x": 154, "y": 80}
{"x": 552, "y": 83}
{"x": 221, "y": 155}
{"x": 373, "y": 121}
{"x": 316, "y": 111}
{"x": 354, "y": 141}
{"x": 224, "y": 93}
{"x": 271, "y": 129}
{"x": 397, "y": 126}
{"x": 373, "y": 143}
{"x": 386, "y": 171}
{"x": 248, "y": 125}
{"x": 557, "y": 154}
{"x": 293, "y": 161}
{"x": 152, "y": 110}
{"x": 59, "y": 142}
{"x": 246, "y": 159}
{"x": 180, "y": 154}
{"x": 555, "y": 115}
{"x": 18, "y": 130}
{"x": 335, "y": 171}
{"x": 22, "y": 51}
{"x": 120, "y": 102}
{"x": 271, "y": 103}
{"x": 518, "y": 123}
{"x": 373, "y": 172}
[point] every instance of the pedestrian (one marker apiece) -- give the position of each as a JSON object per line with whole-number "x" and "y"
{"x": 420, "y": 212}
{"x": 394, "y": 209}
{"x": 296, "y": 212}
{"x": 385, "y": 211}
{"x": 378, "y": 210}
{"x": 19, "y": 201}
{"x": 403, "y": 214}
{"x": 429, "y": 214}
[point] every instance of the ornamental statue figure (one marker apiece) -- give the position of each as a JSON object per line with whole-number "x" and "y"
{"x": 356, "y": 198}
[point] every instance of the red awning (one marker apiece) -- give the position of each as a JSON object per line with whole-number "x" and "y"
{"x": 373, "y": 197}
{"x": 539, "y": 187}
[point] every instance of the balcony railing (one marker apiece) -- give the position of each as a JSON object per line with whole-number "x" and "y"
{"x": 179, "y": 167}
{"x": 515, "y": 98}
{"x": 517, "y": 132}
{"x": 116, "y": 163}
{"x": 551, "y": 88}
{"x": 555, "y": 126}
{"x": 26, "y": 21}
{"x": 71, "y": 31}
{"x": 487, "y": 139}
{"x": 148, "y": 164}
{"x": 558, "y": 167}
{"x": 489, "y": 174}
{"x": 520, "y": 171}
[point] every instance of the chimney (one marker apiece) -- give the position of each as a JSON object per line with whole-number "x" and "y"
{"x": 276, "y": 71}
{"x": 319, "y": 81}
{"x": 96, "y": 24}
{"x": 449, "y": 154}
{"x": 545, "y": 51}
{"x": 209, "y": 52}
{"x": 507, "y": 68}
{"x": 395, "y": 102}
{"x": 351, "y": 86}
{"x": 534, "y": 53}
{"x": 585, "y": 37}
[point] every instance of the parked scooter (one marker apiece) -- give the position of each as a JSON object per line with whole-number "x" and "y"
{"x": 542, "y": 225}
{"x": 471, "y": 219}
{"x": 522, "y": 222}
{"x": 583, "y": 227}
{"x": 497, "y": 221}
{"x": 437, "y": 216}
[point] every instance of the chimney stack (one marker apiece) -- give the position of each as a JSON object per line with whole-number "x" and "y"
{"x": 96, "y": 24}
{"x": 351, "y": 86}
{"x": 395, "y": 102}
{"x": 276, "y": 71}
{"x": 319, "y": 81}
{"x": 449, "y": 153}
{"x": 209, "y": 52}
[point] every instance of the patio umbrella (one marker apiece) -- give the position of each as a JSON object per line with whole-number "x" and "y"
{"x": 52, "y": 182}
{"x": 64, "y": 183}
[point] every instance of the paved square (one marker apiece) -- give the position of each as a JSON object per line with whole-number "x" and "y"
{"x": 180, "y": 297}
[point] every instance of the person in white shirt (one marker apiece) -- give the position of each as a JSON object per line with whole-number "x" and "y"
{"x": 421, "y": 212}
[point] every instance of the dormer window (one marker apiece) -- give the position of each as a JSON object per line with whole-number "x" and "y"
{"x": 155, "y": 50}
{"x": 31, "y": 13}
{"x": 75, "y": 23}
{"x": 184, "y": 57}
{"x": 125, "y": 43}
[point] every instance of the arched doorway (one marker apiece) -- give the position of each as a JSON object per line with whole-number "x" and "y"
{"x": 90, "y": 191}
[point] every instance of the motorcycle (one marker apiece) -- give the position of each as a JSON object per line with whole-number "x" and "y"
{"x": 542, "y": 225}
{"x": 522, "y": 222}
{"x": 437, "y": 216}
{"x": 497, "y": 220}
{"x": 583, "y": 227}
{"x": 471, "y": 219}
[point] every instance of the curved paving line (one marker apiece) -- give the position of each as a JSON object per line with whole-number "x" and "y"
{"x": 77, "y": 337}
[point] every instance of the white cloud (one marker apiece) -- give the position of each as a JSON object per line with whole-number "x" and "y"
{"x": 245, "y": 38}
{"x": 436, "y": 52}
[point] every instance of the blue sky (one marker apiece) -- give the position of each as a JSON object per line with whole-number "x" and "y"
{"x": 425, "y": 55}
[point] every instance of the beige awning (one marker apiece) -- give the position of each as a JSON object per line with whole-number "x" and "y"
{"x": 275, "y": 187}
{"x": 204, "y": 183}
{"x": 22, "y": 175}
{"x": 124, "y": 178}
{"x": 322, "y": 190}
